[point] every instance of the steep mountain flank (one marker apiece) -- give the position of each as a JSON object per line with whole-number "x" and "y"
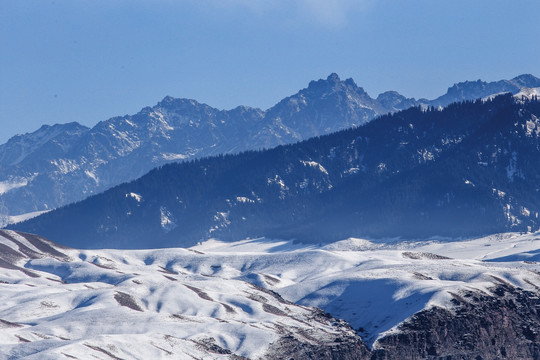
{"x": 502, "y": 324}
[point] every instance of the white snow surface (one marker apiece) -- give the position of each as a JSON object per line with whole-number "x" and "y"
{"x": 137, "y": 305}
{"x": 174, "y": 300}
{"x": 135, "y": 196}
{"x": 14, "y": 219}
{"x": 376, "y": 286}
{"x": 6, "y": 186}
{"x": 527, "y": 93}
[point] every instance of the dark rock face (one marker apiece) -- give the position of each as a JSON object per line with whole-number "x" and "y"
{"x": 501, "y": 325}
{"x": 299, "y": 345}
{"x": 289, "y": 347}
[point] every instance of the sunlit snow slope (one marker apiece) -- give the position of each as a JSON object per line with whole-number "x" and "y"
{"x": 63, "y": 303}
{"x": 213, "y": 300}
{"x": 374, "y": 286}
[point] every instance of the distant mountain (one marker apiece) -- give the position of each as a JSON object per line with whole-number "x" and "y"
{"x": 325, "y": 106}
{"x": 471, "y": 90}
{"x": 60, "y": 164}
{"x": 470, "y": 169}
{"x": 64, "y": 163}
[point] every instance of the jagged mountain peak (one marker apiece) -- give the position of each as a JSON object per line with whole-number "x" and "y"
{"x": 332, "y": 83}
{"x": 333, "y": 77}
{"x": 167, "y": 99}
{"x": 471, "y": 90}
{"x": 325, "y": 106}
{"x": 526, "y": 80}
{"x": 179, "y": 104}
{"x": 395, "y": 101}
{"x": 77, "y": 161}
{"x": 466, "y": 85}
{"x": 50, "y": 130}
{"x": 351, "y": 82}
{"x": 48, "y": 140}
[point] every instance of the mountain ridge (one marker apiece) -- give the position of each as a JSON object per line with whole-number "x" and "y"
{"x": 465, "y": 170}
{"x": 81, "y": 161}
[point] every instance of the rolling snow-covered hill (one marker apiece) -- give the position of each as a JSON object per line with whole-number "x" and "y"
{"x": 60, "y": 164}
{"x": 254, "y": 299}
{"x": 64, "y": 303}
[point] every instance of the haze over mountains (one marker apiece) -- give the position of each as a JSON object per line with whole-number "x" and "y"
{"x": 60, "y": 164}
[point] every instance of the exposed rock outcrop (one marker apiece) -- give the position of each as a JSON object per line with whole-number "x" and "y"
{"x": 504, "y": 324}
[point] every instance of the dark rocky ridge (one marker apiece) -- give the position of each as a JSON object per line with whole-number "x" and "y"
{"x": 504, "y": 324}
{"x": 303, "y": 346}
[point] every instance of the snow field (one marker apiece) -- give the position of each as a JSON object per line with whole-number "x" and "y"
{"x": 210, "y": 301}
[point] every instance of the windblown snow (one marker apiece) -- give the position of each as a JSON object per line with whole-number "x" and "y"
{"x": 14, "y": 219}
{"x": 6, "y": 186}
{"x": 213, "y": 300}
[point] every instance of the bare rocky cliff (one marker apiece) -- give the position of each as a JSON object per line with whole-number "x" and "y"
{"x": 503, "y": 324}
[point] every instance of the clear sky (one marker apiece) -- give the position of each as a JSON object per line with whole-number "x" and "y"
{"x": 89, "y": 60}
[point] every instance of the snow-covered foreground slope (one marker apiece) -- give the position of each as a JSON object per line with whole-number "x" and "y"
{"x": 64, "y": 303}
{"x": 374, "y": 286}
{"x": 213, "y": 300}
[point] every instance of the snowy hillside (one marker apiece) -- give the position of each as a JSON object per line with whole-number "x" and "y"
{"x": 528, "y": 94}
{"x": 63, "y": 303}
{"x": 374, "y": 286}
{"x": 213, "y": 300}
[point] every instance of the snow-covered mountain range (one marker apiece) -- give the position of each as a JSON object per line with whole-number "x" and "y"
{"x": 61, "y": 164}
{"x": 467, "y": 170}
{"x": 256, "y": 299}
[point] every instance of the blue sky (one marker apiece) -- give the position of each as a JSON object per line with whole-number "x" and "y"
{"x": 86, "y": 61}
